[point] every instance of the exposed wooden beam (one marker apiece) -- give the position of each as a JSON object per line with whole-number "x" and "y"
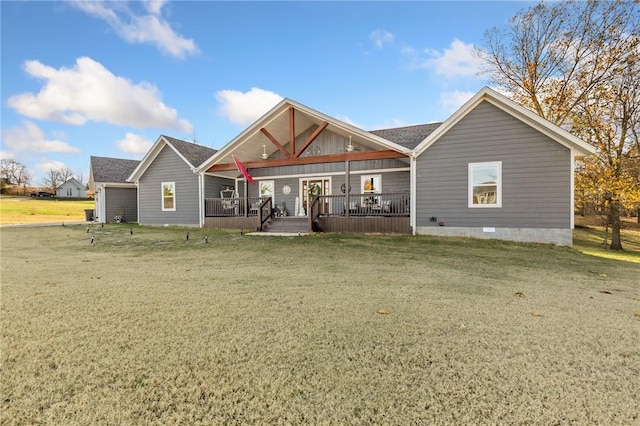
{"x": 275, "y": 142}
{"x": 330, "y": 158}
{"x": 292, "y": 131}
{"x": 311, "y": 138}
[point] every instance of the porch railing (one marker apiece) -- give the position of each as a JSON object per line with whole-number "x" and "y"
{"x": 233, "y": 207}
{"x": 384, "y": 204}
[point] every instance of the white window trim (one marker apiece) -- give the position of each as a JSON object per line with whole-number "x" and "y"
{"x": 364, "y": 178}
{"x": 273, "y": 189}
{"x": 162, "y": 196}
{"x": 498, "y": 204}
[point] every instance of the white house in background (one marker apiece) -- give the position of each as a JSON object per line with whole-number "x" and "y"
{"x": 72, "y": 189}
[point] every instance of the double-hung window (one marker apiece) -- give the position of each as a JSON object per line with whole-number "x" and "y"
{"x": 485, "y": 184}
{"x": 168, "y": 196}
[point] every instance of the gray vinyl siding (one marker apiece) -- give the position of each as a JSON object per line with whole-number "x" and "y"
{"x": 536, "y": 174}
{"x": 392, "y": 182}
{"x": 169, "y": 167}
{"x": 214, "y": 184}
{"x": 120, "y": 202}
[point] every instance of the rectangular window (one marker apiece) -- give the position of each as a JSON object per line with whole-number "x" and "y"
{"x": 266, "y": 188}
{"x": 485, "y": 184}
{"x": 168, "y": 196}
{"x": 369, "y": 185}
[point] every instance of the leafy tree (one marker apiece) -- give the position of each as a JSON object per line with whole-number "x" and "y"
{"x": 577, "y": 65}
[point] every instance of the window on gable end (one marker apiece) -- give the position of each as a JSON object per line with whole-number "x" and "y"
{"x": 168, "y": 196}
{"x": 485, "y": 184}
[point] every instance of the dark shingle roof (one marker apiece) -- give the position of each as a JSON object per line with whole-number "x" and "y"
{"x": 409, "y": 136}
{"x": 112, "y": 170}
{"x": 194, "y": 153}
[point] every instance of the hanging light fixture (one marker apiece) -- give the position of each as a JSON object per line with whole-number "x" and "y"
{"x": 264, "y": 152}
{"x": 350, "y": 146}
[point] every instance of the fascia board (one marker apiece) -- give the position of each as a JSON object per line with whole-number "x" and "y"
{"x": 549, "y": 129}
{"x": 279, "y": 109}
{"x": 191, "y": 166}
{"x": 271, "y": 115}
{"x": 116, "y": 185}
{"x": 449, "y": 123}
{"x": 348, "y": 128}
{"x": 149, "y": 157}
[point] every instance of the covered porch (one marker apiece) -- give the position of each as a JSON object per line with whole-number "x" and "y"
{"x": 377, "y": 213}
{"x": 296, "y": 164}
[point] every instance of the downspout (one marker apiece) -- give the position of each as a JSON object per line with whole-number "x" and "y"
{"x": 573, "y": 188}
{"x": 412, "y": 193}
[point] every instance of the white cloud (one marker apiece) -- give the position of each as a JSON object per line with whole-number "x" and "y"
{"x": 380, "y": 37}
{"x": 134, "y": 144}
{"x": 140, "y": 28}
{"x": 459, "y": 60}
{"x": 90, "y": 92}
{"x": 47, "y": 164}
{"x": 245, "y": 108}
{"x": 451, "y": 101}
{"x": 29, "y": 137}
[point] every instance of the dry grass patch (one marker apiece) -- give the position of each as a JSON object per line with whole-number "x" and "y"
{"x": 17, "y": 210}
{"x": 152, "y": 328}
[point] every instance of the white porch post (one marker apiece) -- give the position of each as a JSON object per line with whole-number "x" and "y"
{"x": 201, "y": 204}
{"x": 412, "y": 194}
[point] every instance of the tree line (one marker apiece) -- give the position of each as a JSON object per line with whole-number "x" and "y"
{"x": 15, "y": 174}
{"x": 577, "y": 64}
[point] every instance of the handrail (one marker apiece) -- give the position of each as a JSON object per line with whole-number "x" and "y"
{"x": 314, "y": 213}
{"x": 262, "y": 218}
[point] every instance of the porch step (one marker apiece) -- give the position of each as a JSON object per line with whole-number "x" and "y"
{"x": 288, "y": 225}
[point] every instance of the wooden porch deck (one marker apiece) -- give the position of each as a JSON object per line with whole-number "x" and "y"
{"x": 367, "y": 213}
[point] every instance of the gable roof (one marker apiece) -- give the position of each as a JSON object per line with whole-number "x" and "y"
{"x": 111, "y": 170}
{"x": 191, "y": 153}
{"x": 408, "y": 136}
{"x": 248, "y": 145}
{"x": 558, "y": 134}
{"x": 74, "y": 182}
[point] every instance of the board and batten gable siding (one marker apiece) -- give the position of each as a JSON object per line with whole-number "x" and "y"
{"x": 120, "y": 202}
{"x": 169, "y": 167}
{"x": 536, "y": 175}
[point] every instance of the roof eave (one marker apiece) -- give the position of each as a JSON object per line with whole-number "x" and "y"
{"x": 281, "y": 107}
{"x": 577, "y": 145}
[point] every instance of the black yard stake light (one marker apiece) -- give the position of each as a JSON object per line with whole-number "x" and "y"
{"x": 131, "y": 231}
{"x": 92, "y": 238}
{"x": 87, "y": 229}
{"x": 206, "y": 239}
{"x": 187, "y": 236}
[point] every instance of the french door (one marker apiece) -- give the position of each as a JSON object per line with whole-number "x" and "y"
{"x": 322, "y": 186}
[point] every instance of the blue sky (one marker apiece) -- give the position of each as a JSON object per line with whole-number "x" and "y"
{"x": 107, "y": 78}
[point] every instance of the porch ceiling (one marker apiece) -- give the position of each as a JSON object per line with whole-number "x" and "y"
{"x": 248, "y": 146}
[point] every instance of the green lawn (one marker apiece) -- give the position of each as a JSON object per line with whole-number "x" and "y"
{"x": 588, "y": 238}
{"x": 145, "y": 326}
{"x": 14, "y": 210}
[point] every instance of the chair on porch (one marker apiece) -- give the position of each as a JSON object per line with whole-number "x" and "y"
{"x": 253, "y": 209}
{"x": 353, "y": 207}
